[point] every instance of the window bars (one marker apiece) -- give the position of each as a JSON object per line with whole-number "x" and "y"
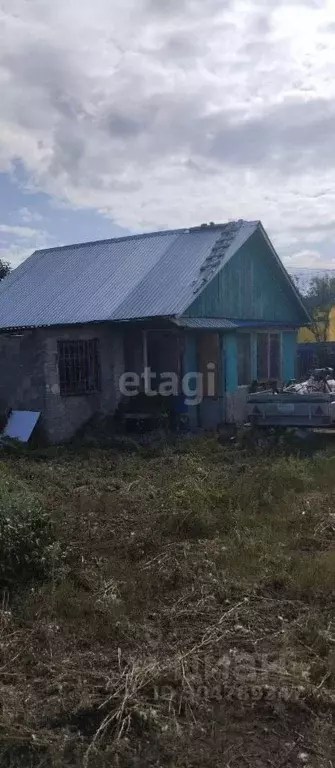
{"x": 79, "y": 367}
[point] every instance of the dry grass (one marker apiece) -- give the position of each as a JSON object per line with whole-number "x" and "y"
{"x": 186, "y": 619}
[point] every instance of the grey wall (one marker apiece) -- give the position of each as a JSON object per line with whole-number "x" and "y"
{"x": 22, "y": 382}
{"x": 29, "y": 376}
{"x": 64, "y": 415}
{"x": 29, "y": 380}
{"x": 236, "y": 406}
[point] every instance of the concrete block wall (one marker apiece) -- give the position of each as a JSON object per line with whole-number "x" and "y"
{"x": 236, "y": 406}
{"x": 22, "y": 370}
{"x": 64, "y": 415}
{"x": 29, "y": 376}
{"x": 29, "y": 379}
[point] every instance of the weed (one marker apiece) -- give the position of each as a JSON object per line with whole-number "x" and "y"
{"x": 25, "y": 534}
{"x": 185, "y": 618}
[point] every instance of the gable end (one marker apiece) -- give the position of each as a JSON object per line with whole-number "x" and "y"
{"x": 252, "y": 285}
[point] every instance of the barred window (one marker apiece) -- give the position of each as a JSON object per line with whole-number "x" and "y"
{"x": 79, "y": 367}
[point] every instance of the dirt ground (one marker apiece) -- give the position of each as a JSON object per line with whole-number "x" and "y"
{"x": 184, "y": 614}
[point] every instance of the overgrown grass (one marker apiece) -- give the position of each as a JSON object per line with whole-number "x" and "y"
{"x": 25, "y": 534}
{"x": 177, "y": 610}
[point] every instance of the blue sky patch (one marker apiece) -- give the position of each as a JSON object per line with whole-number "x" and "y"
{"x": 31, "y": 220}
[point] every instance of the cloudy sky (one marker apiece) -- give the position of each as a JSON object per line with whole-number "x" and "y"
{"x": 119, "y": 116}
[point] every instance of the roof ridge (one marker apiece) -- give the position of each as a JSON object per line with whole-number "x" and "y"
{"x": 122, "y": 239}
{"x": 215, "y": 258}
{"x": 152, "y": 275}
{"x": 140, "y": 235}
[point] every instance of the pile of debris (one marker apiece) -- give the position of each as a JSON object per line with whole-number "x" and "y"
{"x": 320, "y": 380}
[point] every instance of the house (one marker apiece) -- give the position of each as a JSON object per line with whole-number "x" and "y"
{"x": 303, "y": 276}
{"x": 84, "y": 327}
{"x": 326, "y": 330}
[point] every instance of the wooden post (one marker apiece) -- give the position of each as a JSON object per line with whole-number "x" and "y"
{"x": 145, "y": 359}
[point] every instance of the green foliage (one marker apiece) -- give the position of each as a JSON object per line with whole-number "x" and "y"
{"x": 321, "y": 291}
{"x": 319, "y": 301}
{"x": 4, "y": 269}
{"x": 25, "y": 535}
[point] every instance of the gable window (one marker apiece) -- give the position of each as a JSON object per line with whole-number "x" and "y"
{"x": 243, "y": 358}
{"x": 79, "y": 367}
{"x": 268, "y": 356}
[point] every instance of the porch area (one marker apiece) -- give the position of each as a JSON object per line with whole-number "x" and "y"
{"x": 196, "y": 374}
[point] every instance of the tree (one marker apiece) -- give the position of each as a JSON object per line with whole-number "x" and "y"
{"x": 4, "y": 269}
{"x": 319, "y": 301}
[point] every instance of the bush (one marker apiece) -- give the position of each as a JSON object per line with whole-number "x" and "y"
{"x": 25, "y": 534}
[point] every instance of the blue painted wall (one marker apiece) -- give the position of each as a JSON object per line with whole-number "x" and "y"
{"x": 250, "y": 287}
{"x": 211, "y": 412}
{"x": 223, "y": 363}
{"x": 289, "y": 352}
{"x": 254, "y": 356}
{"x": 230, "y": 353}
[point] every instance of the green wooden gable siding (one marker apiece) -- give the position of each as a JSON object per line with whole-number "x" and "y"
{"x": 251, "y": 286}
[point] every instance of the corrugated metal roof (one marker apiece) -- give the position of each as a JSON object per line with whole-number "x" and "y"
{"x": 206, "y": 323}
{"x": 149, "y": 275}
{"x": 220, "y": 323}
{"x": 262, "y": 324}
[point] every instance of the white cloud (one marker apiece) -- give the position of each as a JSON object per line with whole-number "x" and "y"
{"x": 24, "y": 232}
{"x": 22, "y": 242}
{"x": 172, "y": 113}
{"x": 14, "y": 254}
{"x": 29, "y": 216}
{"x": 305, "y": 259}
